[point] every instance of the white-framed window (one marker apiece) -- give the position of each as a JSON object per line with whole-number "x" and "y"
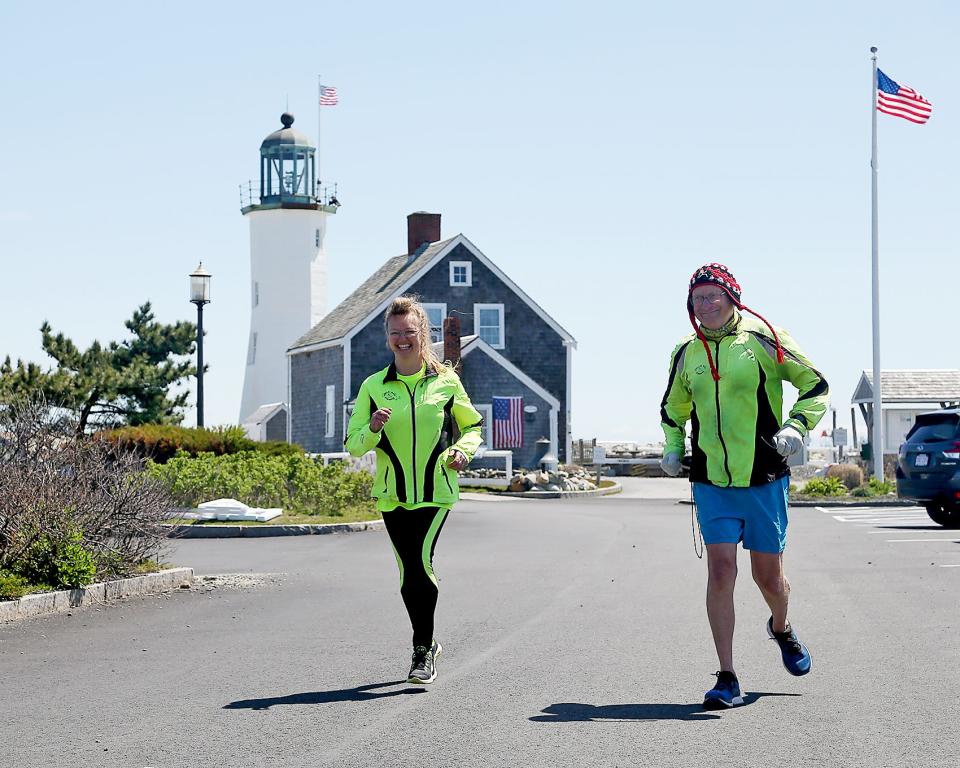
{"x": 329, "y": 422}
{"x": 461, "y": 274}
{"x": 486, "y": 410}
{"x": 488, "y": 323}
{"x": 435, "y": 314}
{"x": 252, "y": 349}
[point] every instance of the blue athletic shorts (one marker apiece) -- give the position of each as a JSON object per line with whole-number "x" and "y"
{"x": 757, "y": 516}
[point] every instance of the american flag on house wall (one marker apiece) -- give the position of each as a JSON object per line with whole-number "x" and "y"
{"x": 507, "y": 422}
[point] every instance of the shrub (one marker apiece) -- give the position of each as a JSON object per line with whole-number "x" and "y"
{"x": 72, "y": 509}
{"x": 161, "y": 442}
{"x": 873, "y": 487}
{"x": 12, "y": 585}
{"x": 849, "y": 474}
{"x": 296, "y": 483}
{"x": 825, "y": 486}
{"x": 62, "y": 563}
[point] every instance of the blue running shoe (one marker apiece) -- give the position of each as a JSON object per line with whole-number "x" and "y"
{"x": 725, "y": 694}
{"x": 796, "y": 657}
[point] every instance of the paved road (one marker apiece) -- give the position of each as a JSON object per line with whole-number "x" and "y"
{"x": 574, "y": 635}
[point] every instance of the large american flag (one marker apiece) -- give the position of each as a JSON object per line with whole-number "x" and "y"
{"x": 900, "y": 101}
{"x": 328, "y": 96}
{"x": 507, "y": 422}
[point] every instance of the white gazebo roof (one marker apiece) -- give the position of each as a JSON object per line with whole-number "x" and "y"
{"x": 921, "y": 385}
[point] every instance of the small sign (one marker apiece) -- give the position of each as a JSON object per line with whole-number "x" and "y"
{"x": 599, "y": 454}
{"x": 840, "y": 436}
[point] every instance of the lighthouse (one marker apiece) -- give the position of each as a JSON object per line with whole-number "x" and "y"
{"x": 288, "y": 276}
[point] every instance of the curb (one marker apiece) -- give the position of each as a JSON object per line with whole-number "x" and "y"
{"x": 615, "y": 488}
{"x": 65, "y": 600}
{"x": 260, "y": 531}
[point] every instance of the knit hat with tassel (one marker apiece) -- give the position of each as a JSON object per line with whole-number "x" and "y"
{"x": 719, "y": 275}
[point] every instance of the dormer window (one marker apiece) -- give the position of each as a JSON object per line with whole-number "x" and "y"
{"x": 461, "y": 274}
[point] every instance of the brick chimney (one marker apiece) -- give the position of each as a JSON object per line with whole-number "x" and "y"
{"x": 451, "y": 342}
{"x": 422, "y": 228}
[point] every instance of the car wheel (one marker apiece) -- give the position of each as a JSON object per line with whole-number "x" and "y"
{"x": 947, "y": 515}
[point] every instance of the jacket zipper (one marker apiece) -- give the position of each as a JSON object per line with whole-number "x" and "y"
{"x": 716, "y": 385}
{"x": 443, "y": 471}
{"x": 413, "y": 421}
{"x": 386, "y": 478}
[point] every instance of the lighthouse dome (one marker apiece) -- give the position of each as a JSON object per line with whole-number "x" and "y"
{"x": 286, "y": 136}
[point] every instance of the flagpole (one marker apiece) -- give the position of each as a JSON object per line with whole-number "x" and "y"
{"x": 877, "y": 437}
{"x": 319, "y": 113}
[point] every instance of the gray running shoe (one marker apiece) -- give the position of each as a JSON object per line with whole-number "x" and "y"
{"x": 423, "y": 668}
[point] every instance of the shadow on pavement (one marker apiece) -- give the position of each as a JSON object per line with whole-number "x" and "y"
{"x": 910, "y": 527}
{"x": 360, "y": 693}
{"x": 567, "y": 713}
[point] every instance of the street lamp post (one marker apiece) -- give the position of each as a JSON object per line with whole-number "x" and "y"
{"x": 200, "y": 295}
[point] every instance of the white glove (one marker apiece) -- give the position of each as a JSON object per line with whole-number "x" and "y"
{"x": 788, "y": 441}
{"x": 670, "y": 463}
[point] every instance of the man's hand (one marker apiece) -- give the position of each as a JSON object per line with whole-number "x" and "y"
{"x": 379, "y": 418}
{"x": 670, "y": 463}
{"x": 456, "y": 459}
{"x": 788, "y": 441}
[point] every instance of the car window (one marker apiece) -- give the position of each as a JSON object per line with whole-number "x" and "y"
{"x": 930, "y": 429}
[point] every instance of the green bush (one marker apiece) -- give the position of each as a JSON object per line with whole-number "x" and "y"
{"x": 825, "y": 486}
{"x": 63, "y": 563}
{"x": 12, "y": 586}
{"x": 161, "y": 442}
{"x": 873, "y": 487}
{"x": 849, "y": 474}
{"x": 296, "y": 483}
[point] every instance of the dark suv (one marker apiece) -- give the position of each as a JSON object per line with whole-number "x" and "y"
{"x": 928, "y": 467}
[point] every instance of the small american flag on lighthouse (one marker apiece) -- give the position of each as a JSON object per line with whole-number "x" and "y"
{"x": 900, "y": 101}
{"x": 328, "y": 96}
{"x": 507, "y": 422}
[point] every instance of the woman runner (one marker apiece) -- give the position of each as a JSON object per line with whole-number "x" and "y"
{"x": 408, "y": 412}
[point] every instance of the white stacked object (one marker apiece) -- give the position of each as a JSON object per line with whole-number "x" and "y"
{"x": 231, "y": 510}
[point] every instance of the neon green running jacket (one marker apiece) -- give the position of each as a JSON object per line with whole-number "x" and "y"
{"x": 413, "y": 445}
{"x": 734, "y": 419}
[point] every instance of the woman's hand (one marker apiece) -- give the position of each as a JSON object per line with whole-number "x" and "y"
{"x": 457, "y": 459}
{"x": 378, "y": 419}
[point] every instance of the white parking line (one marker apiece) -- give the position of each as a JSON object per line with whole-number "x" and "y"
{"x": 905, "y": 529}
{"x": 954, "y": 565}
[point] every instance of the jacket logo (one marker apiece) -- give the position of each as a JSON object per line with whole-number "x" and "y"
{"x": 388, "y": 395}
{"x": 700, "y": 368}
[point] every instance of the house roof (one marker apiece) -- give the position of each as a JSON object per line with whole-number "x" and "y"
{"x": 263, "y": 413}
{"x": 374, "y": 290}
{"x": 393, "y": 279}
{"x": 911, "y": 386}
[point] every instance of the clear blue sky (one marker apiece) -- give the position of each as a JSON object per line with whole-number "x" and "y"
{"x": 598, "y": 153}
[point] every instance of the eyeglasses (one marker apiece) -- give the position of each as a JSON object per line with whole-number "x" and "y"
{"x": 403, "y": 334}
{"x": 709, "y": 298}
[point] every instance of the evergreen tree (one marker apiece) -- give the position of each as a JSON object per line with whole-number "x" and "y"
{"x": 123, "y": 382}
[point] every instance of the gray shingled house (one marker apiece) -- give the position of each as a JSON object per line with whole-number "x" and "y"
{"x": 510, "y": 347}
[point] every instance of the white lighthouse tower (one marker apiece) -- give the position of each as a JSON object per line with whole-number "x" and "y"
{"x": 288, "y": 281}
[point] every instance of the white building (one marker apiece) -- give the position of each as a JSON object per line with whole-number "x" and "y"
{"x": 905, "y": 394}
{"x": 288, "y": 282}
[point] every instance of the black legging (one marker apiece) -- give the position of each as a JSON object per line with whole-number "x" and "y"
{"x": 414, "y": 533}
